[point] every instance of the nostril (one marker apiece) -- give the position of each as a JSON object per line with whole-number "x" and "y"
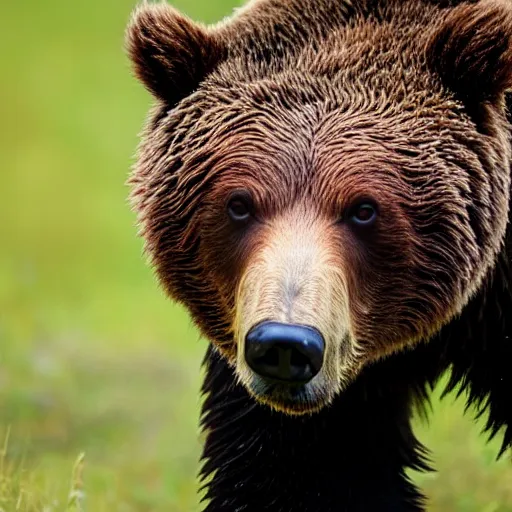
{"x": 298, "y": 359}
{"x": 286, "y": 352}
{"x": 282, "y": 355}
{"x": 270, "y": 357}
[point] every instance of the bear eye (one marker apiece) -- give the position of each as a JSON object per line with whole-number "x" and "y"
{"x": 363, "y": 214}
{"x": 240, "y": 207}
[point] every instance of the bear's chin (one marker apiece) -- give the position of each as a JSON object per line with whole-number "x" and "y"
{"x": 299, "y": 400}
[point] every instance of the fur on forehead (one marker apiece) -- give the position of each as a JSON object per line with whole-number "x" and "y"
{"x": 470, "y": 49}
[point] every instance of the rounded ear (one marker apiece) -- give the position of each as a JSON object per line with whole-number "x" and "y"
{"x": 471, "y": 50}
{"x": 170, "y": 53}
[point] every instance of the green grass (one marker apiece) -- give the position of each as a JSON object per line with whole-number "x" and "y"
{"x": 93, "y": 358}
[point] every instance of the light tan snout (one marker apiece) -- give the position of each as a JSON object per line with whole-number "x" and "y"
{"x": 296, "y": 277}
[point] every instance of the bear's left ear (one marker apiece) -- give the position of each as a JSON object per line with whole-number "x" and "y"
{"x": 471, "y": 50}
{"x": 170, "y": 53}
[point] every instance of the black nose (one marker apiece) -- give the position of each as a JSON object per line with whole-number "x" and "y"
{"x": 285, "y": 352}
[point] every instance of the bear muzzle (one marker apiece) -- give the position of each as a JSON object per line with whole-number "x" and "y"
{"x": 291, "y": 325}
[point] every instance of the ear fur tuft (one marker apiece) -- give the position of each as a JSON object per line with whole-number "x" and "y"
{"x": 472, "y": 50}
{"x": 170, "y": 53}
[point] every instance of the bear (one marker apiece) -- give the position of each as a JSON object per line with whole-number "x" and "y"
{"x": 325, "y": 186}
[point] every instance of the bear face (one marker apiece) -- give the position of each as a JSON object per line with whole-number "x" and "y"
{"x": 327, "y": 169}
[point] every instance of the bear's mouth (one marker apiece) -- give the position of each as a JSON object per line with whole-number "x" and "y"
{"x": 295, "y": 399}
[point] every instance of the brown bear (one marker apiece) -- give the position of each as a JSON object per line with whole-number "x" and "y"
{"x": 325, "y": 185}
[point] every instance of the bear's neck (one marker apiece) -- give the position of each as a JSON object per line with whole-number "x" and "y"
{"x": 350, "y": 456}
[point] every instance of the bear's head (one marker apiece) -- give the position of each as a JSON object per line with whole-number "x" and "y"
{"x": 323, "y": 185}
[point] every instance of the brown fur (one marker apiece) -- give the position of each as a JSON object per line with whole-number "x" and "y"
{"x": 311, "y": 106}
{"x": 324, "y": 121}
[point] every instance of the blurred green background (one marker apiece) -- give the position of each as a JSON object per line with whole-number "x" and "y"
{"x": 93, "y": 358}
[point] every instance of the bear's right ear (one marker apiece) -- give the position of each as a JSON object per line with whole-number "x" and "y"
{"x": 170, "y": 53}
{"x": 471, "y": 50}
